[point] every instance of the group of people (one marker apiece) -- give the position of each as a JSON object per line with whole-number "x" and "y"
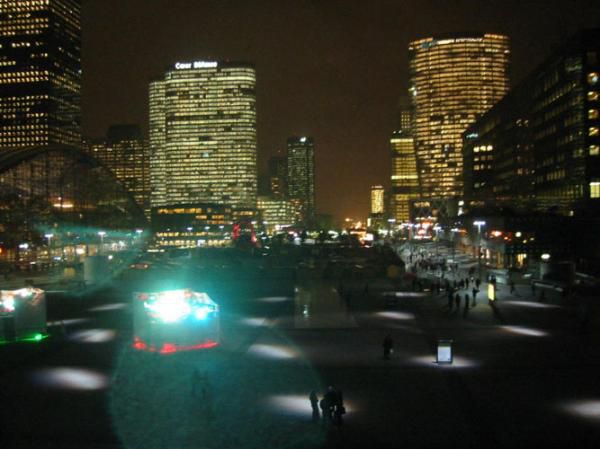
{"x": 331, "y": 406}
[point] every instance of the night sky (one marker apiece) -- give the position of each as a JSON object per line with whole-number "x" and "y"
{"x": 331, "y": 69}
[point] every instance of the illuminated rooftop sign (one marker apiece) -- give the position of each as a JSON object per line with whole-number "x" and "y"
{"x": 195, "y": 65}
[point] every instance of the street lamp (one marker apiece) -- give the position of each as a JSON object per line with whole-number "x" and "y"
{"x": 479, "y": 224}
{"x": 49, "y": 237}
{"x": 101, "y": 234}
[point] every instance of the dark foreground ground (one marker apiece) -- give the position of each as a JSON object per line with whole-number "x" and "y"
{"x": 525, "y": 373}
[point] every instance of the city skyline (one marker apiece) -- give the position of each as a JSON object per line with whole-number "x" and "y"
{"x": 332, "y": 70}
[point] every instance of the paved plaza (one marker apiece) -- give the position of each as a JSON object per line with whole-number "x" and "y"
{"x": 525, "y": 374}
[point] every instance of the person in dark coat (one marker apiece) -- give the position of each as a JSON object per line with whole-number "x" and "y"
{"x": 457, "y": 302}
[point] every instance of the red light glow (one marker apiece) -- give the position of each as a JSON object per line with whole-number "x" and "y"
{"x": 171, "y": 348}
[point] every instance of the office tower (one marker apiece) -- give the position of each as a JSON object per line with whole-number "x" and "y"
{"x": 453, "y": 80}
{"x": 126, "y": 154}
{"x": 277, "y": 176}
{"x": 406, "y": 113}
{"x": 277, "y": 213}
{"x": 40, "y": 73}
{"x": 203, "y": 135}
{"x": 301, "y": 175}
{"x": 377, "y": 200}
{"x": 539, "y": 148}
{"x": 405, "y": 182}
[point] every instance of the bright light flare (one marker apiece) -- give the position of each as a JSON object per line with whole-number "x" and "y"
{"x": 169, "y": 308}
{"x": 254, "y": 321}
{"x": 68, "y": 378}
{"x": 405, "y": 294}
{"x": 527, "y": 331}
{"x": 531, "y": 304}
{"x": 275, "y": 299}
{"x": 296, "y": 405}
{"x": 108, "y": 307}
{"x": 396, "y": 315}
{"x": 272, "y": 351}
{"x": 457, "y": 362}
{"x": 67, "y": 322}
{"x": 588, "y": 409}
{"x": 93, "y": 335}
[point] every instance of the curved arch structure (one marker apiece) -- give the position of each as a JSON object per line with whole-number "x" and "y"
{"x": 61, "y": 191}
{"x": 13, "y": 157}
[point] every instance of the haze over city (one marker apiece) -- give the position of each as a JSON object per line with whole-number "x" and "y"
{"x": 332, "y": 69}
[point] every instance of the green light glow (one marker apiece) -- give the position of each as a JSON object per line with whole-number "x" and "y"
{"x": 35, "y": 338}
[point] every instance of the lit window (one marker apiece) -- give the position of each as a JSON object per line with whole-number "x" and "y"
{"x": 594, "y": 150}
{"x": 593, "y": 114}
{"x": 593, "y": 78}
{"x": 593, "y": 131}
{"x": 592, "y": 95}
{"x": 594, "y": 189}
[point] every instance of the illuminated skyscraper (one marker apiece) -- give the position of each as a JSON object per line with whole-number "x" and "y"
{"x": 40, "y": 73}
{"x": 301, "y": 174}
{"x": 203, "y": 135}
{"x": 125, "y": 153}
{"x": 277, "y": 176}
{"x": 377, "y": 200}
{"x": 405, "y": 182}
{"x": 405, "y": 109}
{"x": 453, "y": 81}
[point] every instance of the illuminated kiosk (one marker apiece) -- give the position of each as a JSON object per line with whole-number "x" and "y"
{"x": 22, "y": 315}
{"x": 444, "y": 352}
{"x": 174, "y": 320}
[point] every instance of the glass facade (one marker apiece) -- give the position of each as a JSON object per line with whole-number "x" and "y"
{"x": 453, "y": 80}
{"x": 405, "y": 182}
{"x": 40, "y": 73}
{"x": 125, "y": 152}
{"x": 301, "y": 174}
{"x": 192, "y": 225}
{"x": 278, "y": 176}
{"x": 203, "y": 135}
{"x": 276, "y": 213}
{"x": 537, "y": 148}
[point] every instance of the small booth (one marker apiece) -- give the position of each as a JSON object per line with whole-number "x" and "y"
{"x": 444, "y": 352}
{"x": 175, "y": 320}
{"x": 22, "y": 315}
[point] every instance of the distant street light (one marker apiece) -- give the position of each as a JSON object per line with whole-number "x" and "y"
{"x": 49, "y": 237}
{"x": 479, "y": 224}
{"x": 101, "y": 234}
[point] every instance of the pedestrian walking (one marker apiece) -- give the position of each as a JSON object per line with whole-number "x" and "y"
{"x": 450, "y": 300}
{"x": 457, "y": 302}
{"x": 474, "y": 291}
{"x": 314, "y": 403}
{"x": 467, "y": 300}
{"x": 533, "y": 289}
{"x": 512, "y": 286}
{"x": 477, "y": 283}
{"x": 388, "y": 346}
{"x": 467, "y": 282}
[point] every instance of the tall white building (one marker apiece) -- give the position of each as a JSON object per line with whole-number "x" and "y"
{"x": 203, "y": 135}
